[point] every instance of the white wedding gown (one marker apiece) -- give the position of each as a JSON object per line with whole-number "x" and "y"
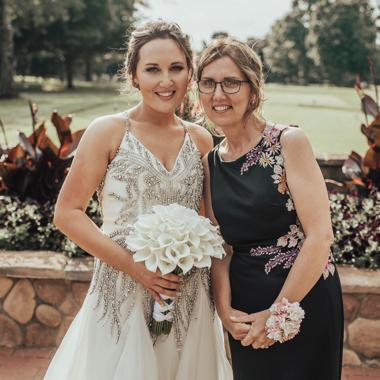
{"x": 110, "y": 339}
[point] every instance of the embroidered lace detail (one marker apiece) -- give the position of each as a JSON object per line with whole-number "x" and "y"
{"x": 284, "y": 252}
{"x": 135, "y": 181}
{"x": 268, "y": 154}
{"x": 184, "y": 304}
{"x": 330, "y": 267}
{"x": 252, "y": 158}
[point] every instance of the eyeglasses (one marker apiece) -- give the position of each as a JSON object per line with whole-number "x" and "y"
{"x": 228, "y": 85}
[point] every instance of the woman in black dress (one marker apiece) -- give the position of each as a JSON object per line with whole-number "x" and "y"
{"x": 265, "y": 190}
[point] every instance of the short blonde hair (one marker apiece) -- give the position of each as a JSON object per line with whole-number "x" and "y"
{"x": 246, "y": 59}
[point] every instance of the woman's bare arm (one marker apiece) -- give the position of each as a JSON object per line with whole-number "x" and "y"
{"x": 309, "y": 193}
{"x": 308, "y": 190}
{"x": 97, "y": 147}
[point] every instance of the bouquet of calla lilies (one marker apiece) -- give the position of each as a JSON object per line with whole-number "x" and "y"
{"x": 173, "y": 239}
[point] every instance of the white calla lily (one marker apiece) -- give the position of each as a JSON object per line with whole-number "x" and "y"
{"x": 176, "y": 239}
{"x": 204, "y": 262}
{"x": 151, "y": 262}
{"x": 186, "y": 263}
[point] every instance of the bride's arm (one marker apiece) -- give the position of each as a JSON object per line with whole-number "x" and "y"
{"x": 96, "y": 149}
{"x": 220, "y": 279}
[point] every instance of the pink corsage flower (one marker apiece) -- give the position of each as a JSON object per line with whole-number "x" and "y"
{"x": 285, "y": 320}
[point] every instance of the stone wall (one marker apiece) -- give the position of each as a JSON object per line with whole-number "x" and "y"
{"x": 41, "y": 292}
{"x": 361, "y": 299}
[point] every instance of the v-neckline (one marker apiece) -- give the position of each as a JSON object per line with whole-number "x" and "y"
{"x": 167, "y": 171}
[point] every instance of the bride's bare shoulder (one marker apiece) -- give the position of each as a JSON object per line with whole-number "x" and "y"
{"x": 201, "y": 137}
{"x": 106, "y": 132}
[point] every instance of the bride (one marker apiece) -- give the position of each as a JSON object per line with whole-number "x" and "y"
{"x": 135, "y": 160}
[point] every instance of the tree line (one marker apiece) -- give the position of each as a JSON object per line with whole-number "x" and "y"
{"x": 323, "y": 41}
{"x": 318, "y": 41}
{"x": 58, "y": 38}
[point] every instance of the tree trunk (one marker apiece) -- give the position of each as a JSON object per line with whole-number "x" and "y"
{"x": 6, "y": 52}
{"x": 88, "y": 68}
{"x": 69, "y": 65}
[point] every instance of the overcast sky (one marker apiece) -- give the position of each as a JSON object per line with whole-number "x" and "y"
{"x": 201, "y": 18}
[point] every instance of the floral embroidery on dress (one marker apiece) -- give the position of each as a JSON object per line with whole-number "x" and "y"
{"x": 330, "y": 267}
{"x": 290, "y": 205}
{"x": 268, "y": 154}
{"x": 292, "y": 238}
{"x": 284, "y": 252}
{"x": 252, "y": 158}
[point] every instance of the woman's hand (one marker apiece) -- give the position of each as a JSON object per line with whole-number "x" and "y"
{"x": 156, "y": 283}
{"x": 256, "y": 336}
{"x": 236, "y": 329}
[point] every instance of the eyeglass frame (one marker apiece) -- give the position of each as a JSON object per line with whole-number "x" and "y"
{"x": 221, "y": 86}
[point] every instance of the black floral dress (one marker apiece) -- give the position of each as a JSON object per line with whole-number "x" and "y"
{"x": 255, "y": 211}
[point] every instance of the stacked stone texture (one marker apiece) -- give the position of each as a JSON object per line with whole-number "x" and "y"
{"x": 37, "y": 312}
{"x": 362, "y": 329}
{"x": 40, "y": 294}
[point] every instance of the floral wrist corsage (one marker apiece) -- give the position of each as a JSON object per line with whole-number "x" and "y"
{"x": 284, "y": 321}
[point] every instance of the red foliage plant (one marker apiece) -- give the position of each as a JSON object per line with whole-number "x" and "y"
{"x": 35, "y": 167}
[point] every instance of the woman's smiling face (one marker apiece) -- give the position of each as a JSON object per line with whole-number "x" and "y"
{"x": 221, "y": 108}
{"x": 162, "y": 75}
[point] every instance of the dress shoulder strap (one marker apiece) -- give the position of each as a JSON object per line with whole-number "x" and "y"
{"x": 127, "y": 123}
{"x": 274, "y": 132}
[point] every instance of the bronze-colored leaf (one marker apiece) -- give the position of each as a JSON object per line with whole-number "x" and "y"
{"x": 372, "y": 159}
{"x": 49, "y": 148}
{"x": 15, "y": 154}
{"x": 352, "y": 166}
{"x": 36, "y": 167}
{"x": 26, "y": 145}
{"x": 33, "y": 111}
{"x": 68, "y": 149}
{"x": 368, "y": 132}
{"x": 62, "y": 126}
{"x": 7, "y": 168}
{"x": 356, "y": 157}
{"x": 369, "y": 106}
{"x": 33, "y": 138}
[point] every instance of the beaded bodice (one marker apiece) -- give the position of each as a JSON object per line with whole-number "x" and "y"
{"x": 135, "y": 181}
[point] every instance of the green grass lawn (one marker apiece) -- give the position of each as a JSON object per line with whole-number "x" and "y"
{"x": 330, "y": 116}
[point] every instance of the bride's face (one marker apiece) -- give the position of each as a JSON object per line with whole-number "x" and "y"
{"x": 162, "y": 75}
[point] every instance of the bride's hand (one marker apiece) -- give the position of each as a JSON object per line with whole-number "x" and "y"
{"x": 256, "y": 336}
{"x": 236, "y": 329}
{"x": 156, "y": 283}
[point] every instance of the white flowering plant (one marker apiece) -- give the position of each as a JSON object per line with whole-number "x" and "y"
{"x": 173, "y": 239}
{"x": 356, "y": 226}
